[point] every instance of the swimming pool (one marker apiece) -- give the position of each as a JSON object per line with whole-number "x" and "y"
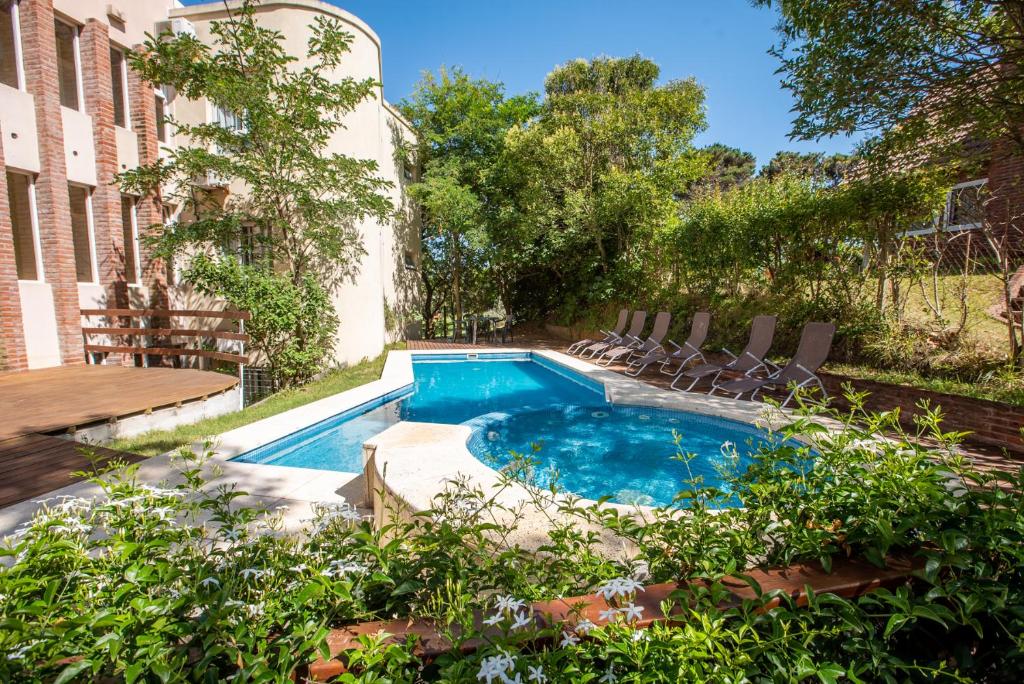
{"x": 512, "y": 401}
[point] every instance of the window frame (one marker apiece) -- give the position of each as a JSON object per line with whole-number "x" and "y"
{"x": 126, "y": 101}
{"x": 19, "y": 56}
{"x": 948, "y": 211}
{"x": 941, "y": 223}
{"x": 76, "y": 50}
{"x": 90, "y": 231}
{"x": 159, "y": 94}
{"x": 33, "y": 216}
{"x": 133, "y": 204}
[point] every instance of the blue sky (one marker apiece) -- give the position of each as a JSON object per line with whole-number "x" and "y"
{"x": 722, "y": 43}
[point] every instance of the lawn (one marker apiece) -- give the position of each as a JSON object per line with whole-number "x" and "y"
{"x": 335, "y": 381}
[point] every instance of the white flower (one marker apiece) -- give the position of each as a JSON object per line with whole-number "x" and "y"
{"x": 299, "y": 568}
{"x": 251, "y": 572}
{"x": 620, "y": 586}
{"x": 584, "y": 626}
{"x": 210, "y": 581}
{"x": 20, "y": 653}
{"x": 569, "y": 639}
{"x": 608, "y": 615}
{"x": 508, "y": 603}
{"x": 536, "y": 674}
{"x": 495, "y": 667}
{"x": 640, "y": 635}
{"x": 632, "y": 612}
{"x": 523, "y": 619}
{"x": 609, "y": 676}
{"x": 494, "y": 619}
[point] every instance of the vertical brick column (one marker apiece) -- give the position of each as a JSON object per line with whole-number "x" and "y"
{"x": 143, "y": 114}
{"x": 12, "y": 333}
{"x": 106, "y": 197}
{"x": 53, "y": 206}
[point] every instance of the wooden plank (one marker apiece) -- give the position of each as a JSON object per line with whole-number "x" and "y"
{"x": 169, "y": 332}
{"x": 52, "y": 399}
{"x": 167, "y": 313}
{"x": 168, "y": 351}
{"x": 36, "y": 464}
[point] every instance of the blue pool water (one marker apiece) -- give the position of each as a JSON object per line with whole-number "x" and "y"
{"x": 627, "y": 453}
{"x": 513, "y": 402}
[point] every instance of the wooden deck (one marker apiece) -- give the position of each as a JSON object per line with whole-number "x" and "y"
{"x": 56, "y": 399}
{"x": 36, "y": 464}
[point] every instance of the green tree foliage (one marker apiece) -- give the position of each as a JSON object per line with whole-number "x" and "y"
{"x": 300, "y": 202}
{"x": 601, "y": 167}
{"x": 924, "y": 73}
{"x": 727, "y": 166}
{"x": 470, "y": 233}
{"x": 791, "y": 245}
{"x": 816, "y": 166}
{"x": 292, "y": 324}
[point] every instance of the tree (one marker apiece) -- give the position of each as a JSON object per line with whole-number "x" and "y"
{"x": 301, "y": 201}
{"x": 815, "y": 166}
{"x": 727, "y": 166}
{"x": 605, "y": 158}
{"x": 461, "y": 124}
{"x": 928, "y": 73}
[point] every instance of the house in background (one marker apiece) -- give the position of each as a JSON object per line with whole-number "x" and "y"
{"x": 73, "y": 114}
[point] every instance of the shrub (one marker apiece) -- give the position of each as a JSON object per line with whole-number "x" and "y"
{"x": 176, "y": 584}
{"x": 293, "y": 321}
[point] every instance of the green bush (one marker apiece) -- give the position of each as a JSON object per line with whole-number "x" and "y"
{"x": 293, "y": 322}
{"x": 174, "y": 584}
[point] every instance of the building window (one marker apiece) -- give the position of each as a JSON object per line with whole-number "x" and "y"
{"x": 965, "y": 205}
{"x": 410, "y": 262}
{"x": 130, "y": 228}
{"x": 21, "y": 200}
{"x": 228, "y": 119}
{"x": 69, "y": 65}
{"x": 82, "y": 233}
{"x": 12, "y": 71}
{"x": 119, "y": 81}
{"x": 160, "y": 105}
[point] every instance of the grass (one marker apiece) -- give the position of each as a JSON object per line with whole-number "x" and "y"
{"x": 1006, "y": 387}
{"x": 983, "y": 291}
{"x": 335, "y": 381}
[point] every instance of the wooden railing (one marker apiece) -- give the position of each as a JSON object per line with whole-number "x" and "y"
{"x": 132, "y": 331}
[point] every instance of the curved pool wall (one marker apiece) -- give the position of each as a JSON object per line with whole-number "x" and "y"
{"x": 453, "y": 393}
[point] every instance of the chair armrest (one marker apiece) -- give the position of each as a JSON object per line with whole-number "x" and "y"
{"x": 726, "y": 351}
{"x": 774, "y": 366}
{"x": 673, "y": 343}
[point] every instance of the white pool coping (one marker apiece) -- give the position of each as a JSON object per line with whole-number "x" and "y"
{"x": 418, "y": 459}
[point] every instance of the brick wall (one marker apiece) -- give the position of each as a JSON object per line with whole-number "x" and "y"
{"x": 989, "y": 422}
{"x": 53, "y": 205}
{"x": 106, "y": 197}
{"x": 1006, "y": 188}
{"x": 143, "y": 115}
{"x": 12, "y": 335}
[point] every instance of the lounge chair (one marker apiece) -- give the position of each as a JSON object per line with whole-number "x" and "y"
{"x": 632, "y": 336}
{"x": 609, "y": 335}
{"x": 652, "y": 344}
{"x": 750, "y": 360}
{"x": 682, "y": 354}
{"x": 801, "y": 371}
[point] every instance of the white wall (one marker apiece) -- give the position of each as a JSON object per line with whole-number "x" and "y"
{"x": 368, "y": 134}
